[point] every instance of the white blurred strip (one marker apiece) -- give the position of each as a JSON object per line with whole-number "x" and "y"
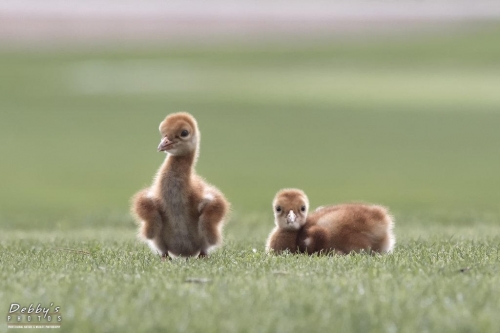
{"x": 254, "y": 10}
{"x": 44, "y": 23}
{"x": 306, "y": 85}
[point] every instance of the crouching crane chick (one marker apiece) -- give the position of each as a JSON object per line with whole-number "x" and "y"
{"x": 341, "y": 228}
{"x": 180, "y": 214}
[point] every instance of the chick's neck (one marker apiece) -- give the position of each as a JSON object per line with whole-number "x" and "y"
{"x": 180, "y": 167}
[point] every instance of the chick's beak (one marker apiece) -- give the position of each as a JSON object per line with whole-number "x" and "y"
{"x": 291, "y": 217}
{"x": 165, "y": 143}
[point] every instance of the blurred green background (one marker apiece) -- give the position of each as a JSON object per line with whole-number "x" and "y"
{"x": 412, "y": 123}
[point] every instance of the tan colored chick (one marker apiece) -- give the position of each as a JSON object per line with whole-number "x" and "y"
{"x": 340, "y": 228}
{"x": 180, "y": 214}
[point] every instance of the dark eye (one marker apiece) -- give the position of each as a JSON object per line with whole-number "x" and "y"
{"x": 278, "y": 209}
{"x": 184, "y": 133}
{"x": 303, "y": 208}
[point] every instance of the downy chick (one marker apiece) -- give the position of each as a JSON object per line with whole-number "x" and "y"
{"x": 180, "y": 214}
{"x": 338, "y": 229}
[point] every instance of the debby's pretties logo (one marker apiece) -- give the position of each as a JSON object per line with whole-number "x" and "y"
{"x": 34, "y": 316}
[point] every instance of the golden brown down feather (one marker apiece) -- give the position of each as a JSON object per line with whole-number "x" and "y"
{"x": 338, "y": 229}
{"x": 180, "y": 214}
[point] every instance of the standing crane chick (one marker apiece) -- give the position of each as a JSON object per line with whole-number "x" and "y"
{"x": 341, "y": 228}
{"x": 180, "y": 214}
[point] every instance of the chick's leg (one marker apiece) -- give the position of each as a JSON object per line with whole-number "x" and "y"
{"x": 211, "y": 219}
{"x": 146, "y": 209}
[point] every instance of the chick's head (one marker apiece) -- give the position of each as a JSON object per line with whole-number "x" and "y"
{"x": 290, "y": 208}
{"x": 179, "y": 133}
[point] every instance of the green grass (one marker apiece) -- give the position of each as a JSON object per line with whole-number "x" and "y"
{"x": 411, "y": 124}
{"x": 436, "y": 282}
